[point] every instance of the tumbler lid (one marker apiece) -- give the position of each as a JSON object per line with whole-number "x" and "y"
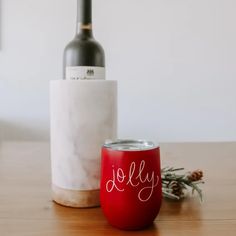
{"x": 130, "y": 145}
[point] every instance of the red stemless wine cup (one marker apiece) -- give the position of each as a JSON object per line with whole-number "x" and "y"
{"x": 130, "y": 183}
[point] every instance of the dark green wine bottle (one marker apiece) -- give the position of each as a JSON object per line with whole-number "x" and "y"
{"x": 84, "y": 57}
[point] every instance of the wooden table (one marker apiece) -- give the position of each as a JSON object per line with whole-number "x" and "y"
{"x": 26, "y": 208}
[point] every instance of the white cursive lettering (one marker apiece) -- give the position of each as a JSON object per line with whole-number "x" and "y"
{"x": 149, "y": 179}
{"x": 111, "y": 184}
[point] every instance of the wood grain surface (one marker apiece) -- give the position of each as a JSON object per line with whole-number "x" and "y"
{"x": 26, "y": 208}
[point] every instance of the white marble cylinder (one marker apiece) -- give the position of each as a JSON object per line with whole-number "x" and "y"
{"x": 83, "y": 115}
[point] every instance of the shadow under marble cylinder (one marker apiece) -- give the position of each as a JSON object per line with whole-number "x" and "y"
{"x": 83, "y": 114}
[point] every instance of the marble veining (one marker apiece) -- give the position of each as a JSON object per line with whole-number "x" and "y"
{"x": 83, "y": 115}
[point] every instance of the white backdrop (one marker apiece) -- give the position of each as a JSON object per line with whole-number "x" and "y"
{"x": 175, "y": 61}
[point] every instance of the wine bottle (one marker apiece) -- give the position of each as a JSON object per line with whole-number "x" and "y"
{"x": 84, "y": 57}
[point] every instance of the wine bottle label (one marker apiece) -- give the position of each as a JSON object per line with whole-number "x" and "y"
{"x": 85, "y": 73}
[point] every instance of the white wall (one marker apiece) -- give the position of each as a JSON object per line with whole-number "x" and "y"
{"x": 175, "y": 61}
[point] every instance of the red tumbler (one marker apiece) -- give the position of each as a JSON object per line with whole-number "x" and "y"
{"x": 130, "y": 183}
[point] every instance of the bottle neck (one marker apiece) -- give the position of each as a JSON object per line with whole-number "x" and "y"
{"x": 84, "y": 18}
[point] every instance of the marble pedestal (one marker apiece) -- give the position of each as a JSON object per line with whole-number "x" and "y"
{"x": 83, "y": 114}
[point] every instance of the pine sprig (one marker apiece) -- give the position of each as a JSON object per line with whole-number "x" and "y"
{"x": 174, "y": 183}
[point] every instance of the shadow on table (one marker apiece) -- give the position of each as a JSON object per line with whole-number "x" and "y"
{"x": 189, "y": 208}
{"x": 91, "y": 222}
